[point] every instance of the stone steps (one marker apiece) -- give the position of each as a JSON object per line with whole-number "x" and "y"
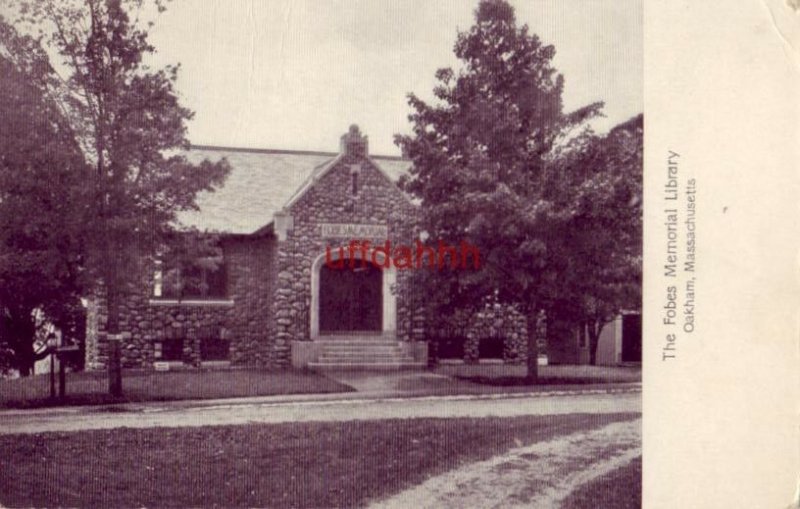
{"x": 340, "y": 345}
{"x": 378, "y": 366}
{"x": 365, "y": 357}
{"x": 363, "y": 352}
{"x": 355, "y": 351}
{"x": 357, "y": 334}
{"x": 364, "y": 349}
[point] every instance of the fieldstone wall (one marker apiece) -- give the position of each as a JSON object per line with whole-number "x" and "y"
{"x": 252, "y": 280}
{"x": 242, "y": 318}
{"x": 150, "y": 324}
{"x": 505, "y": 323}
{"x": 330, "y": 199}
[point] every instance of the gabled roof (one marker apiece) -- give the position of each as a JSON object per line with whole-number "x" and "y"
{"x": 261, "y": 183}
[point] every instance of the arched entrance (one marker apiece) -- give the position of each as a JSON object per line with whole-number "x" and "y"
{"x": 368, "y": 289}
{"x": 350, "y": 299}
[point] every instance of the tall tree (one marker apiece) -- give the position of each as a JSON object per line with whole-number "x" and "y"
{"x": 42, "y": 201}
{"x": 489, "y": 156}
{"x": 603, "y": 240}
{"x": 131, "y": 128}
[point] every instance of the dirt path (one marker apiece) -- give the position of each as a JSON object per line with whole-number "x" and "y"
{"x": 165, "y": 414}
{"x": 537, "y": 476}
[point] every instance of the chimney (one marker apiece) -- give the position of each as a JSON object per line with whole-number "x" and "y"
{"x": 354, "y": 144}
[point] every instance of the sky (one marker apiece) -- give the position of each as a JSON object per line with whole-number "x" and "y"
{"x": 294, "y": 74}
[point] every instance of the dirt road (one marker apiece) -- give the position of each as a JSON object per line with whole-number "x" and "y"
{"x": 168, "y": 415}
{"x": 537, "y": 476}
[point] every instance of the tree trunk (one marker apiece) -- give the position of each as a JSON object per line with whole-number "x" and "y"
{"x": 594, "y": 327}
{"x": 532, "y": 375}
{"x": 112, "y": 306}
{"x": 114, "y": 369}
{"x": 593, "y": 349}
{"x": 22, "y": 331}
{"x": 114, "y": 347}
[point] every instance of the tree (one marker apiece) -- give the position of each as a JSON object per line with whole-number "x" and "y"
{"x": 604, "y": 239}
{"x": 489, "y": 158}
{"x": 42, "y": 198}
{"x": 131, "y": 129}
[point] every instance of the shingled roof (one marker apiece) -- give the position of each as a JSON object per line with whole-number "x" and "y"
{"x": 261, "y": 182}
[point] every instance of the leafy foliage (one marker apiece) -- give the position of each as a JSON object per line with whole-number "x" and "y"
{"x": 603, "y": 241}
{"x": 42, "y": 202}
{"x": 130, "y": 126}
{"x": 92, "y": 171}
{"x": 499, "y": 163}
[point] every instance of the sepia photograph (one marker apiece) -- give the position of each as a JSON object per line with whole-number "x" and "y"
{"x": 324, "y": 254}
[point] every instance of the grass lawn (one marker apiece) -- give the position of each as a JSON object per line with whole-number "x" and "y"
{"x": 281, "y": 465}
{"x": 620, "y": 489}
{"x": 141, "y": 385}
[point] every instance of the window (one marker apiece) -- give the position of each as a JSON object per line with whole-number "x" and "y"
{"x": 169, "y": 350}
{"x": 355, "y": 169}
{"x": 204, "y": 279}
{"x": 214, "y": 349}
{"x": 491, "y": 347}
{"x": 450, "y": 347}
{"x": 158, "y": 280}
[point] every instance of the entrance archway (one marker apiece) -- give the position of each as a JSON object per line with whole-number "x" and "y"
{"x": 350, "y": 299}
{"x": 358, "y": 283}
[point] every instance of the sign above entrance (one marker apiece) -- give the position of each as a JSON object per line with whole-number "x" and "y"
{"x": 354, "y": 231}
